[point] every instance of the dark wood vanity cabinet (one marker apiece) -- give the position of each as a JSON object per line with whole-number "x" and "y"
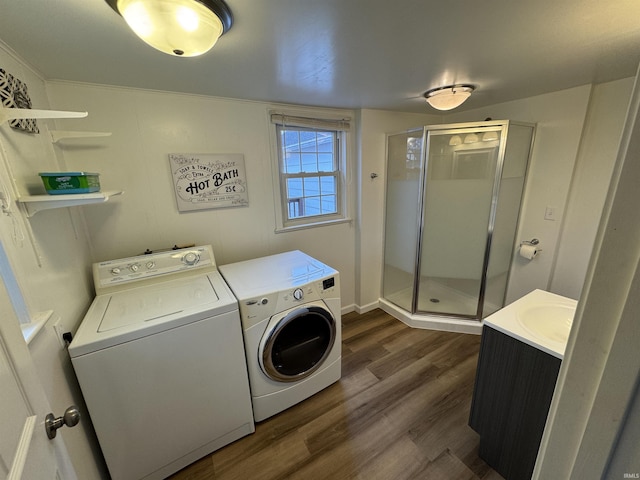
{"x": 511, "y": 399}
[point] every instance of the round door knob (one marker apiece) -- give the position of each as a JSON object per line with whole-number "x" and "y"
{"x": 70, "y": 418}
{"x": 298, "y": 294}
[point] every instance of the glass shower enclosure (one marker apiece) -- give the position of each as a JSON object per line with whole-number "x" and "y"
{"x": 453, "y": 195}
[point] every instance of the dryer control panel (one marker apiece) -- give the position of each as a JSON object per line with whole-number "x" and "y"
{"x": 323, "y": 288}
{"x": 328, "y": 283}
{"x": 254, "y": 310}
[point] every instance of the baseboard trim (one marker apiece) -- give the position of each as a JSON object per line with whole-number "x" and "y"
{"x": 348, "y": 309}
{"x": 367, "y": 308}
{"x": 360, "y": 309}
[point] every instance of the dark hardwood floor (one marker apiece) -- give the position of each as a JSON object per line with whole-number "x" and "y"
{"x": 400, "y": 411}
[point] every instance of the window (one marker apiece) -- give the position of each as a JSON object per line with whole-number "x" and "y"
{"x": 311, "y": 167}
{"x": 309, "y": 171}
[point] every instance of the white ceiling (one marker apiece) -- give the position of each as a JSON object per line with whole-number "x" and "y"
{"x": 344, "y": 53}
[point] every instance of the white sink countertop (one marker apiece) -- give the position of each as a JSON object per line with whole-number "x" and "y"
{"x": 540, "y": 319}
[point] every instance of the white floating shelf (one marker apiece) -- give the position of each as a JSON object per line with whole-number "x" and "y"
{"x": 7, "y": 114}
{"x": 36, "y": 203}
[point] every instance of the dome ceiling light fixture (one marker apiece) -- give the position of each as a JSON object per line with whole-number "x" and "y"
{"x": 181, "y": 28}
{"x": 448, "y": 97}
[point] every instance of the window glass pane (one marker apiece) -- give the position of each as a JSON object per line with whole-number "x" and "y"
{"x": 325, "y": 162}
{"x": 294, "y": 188}
{"x": 295, "y": 208}
{"x": 309, "y": 162}
{"x": 292, "y": 163}
{"x": 308, "y": 141}
{"x": 325, "y": 142}
{"x": 309, "y": 148}
{"x": 328, "y": 204}
{"x": 327, "y": 185}
{"x": 311, "y": 206}
{"x": 311, "y": 186}
{"x": 290, "y": 140}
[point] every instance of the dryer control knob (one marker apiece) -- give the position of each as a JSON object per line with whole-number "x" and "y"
{"x": 298, "y": 294}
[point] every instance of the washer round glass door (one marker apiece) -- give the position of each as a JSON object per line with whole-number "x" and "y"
{"x": 298, "y": 344}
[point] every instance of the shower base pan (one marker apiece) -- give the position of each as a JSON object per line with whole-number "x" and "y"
{"x": 432, "y": 322}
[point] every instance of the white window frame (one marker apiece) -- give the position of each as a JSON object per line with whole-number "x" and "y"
{"x": 315, "y": 121}
{"x": 13, "y": 288}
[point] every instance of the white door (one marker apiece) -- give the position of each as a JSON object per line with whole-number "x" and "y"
{"x": 25, "y": 450}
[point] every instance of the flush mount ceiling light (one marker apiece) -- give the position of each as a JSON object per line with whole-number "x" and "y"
{"x": 449, "y": 97}
{"x": 182, "y": 28}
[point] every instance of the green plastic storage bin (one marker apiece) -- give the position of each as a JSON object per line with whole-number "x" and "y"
{"x": 63, "y": 183}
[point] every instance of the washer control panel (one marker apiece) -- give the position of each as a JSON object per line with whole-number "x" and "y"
{"x": 125, "y": 270}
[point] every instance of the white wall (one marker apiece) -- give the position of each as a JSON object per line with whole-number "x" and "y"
{"x": 50, "y": 257}
{"x": 146, "y": 127}
{"x": 374, "y": 125}
{"x": 594, "y": 165}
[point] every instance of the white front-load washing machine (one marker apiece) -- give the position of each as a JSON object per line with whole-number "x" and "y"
{"x": 160, "y": 361}
{"x": 290, "y": 312}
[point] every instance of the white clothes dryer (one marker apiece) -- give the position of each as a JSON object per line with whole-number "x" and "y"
{"x": 160, "y": 361}
{"x": 290, "y": 311}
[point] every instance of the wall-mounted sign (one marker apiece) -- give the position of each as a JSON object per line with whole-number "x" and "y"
{"x": 204, "y": 181}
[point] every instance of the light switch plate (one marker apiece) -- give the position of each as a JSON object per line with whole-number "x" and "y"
{"x": 550, "y": 213}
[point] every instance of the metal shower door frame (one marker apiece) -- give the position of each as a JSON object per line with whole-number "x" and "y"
{"x": 498, "y": 125}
